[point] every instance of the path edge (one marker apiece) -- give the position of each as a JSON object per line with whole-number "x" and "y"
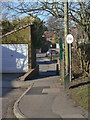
{"x": 18, "y": 114}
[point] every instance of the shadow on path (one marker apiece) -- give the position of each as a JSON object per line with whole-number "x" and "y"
{"x": 7, "y": 83}
{"x": 45, "y": 75}
{"x": 46, "y": 62}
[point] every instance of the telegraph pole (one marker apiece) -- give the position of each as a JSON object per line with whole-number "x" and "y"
{"x": 66, "y": 54}
{"x": 65, "y": 34}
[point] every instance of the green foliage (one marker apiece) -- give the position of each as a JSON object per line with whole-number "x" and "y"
{"x": 20, "y": 37}
{"x": 80, "y": 95}
{"x": 6, "y": 26}
{"x": 38, "y": 31}
{"x": 17, "y": 23}
{"x": 23, "y": 36}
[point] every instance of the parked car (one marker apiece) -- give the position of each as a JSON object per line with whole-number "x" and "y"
{"x": 49, "y": 52}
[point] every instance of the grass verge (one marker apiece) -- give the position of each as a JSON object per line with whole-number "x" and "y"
{"x": 81, "y": 96}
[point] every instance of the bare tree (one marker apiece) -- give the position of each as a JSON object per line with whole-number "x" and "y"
{"x": 78, "y": 12}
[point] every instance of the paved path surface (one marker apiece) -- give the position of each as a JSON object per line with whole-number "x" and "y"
{"x": 47, "y": 98}
{"x": 40, "y": 99}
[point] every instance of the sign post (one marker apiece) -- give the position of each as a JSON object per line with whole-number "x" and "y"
{"x": 61, "y": 60}
{"x": 69, "y": 40}
{"x": 61, "y": 48}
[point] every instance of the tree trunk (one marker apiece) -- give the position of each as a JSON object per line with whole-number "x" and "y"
{"x": 33, "y": 49}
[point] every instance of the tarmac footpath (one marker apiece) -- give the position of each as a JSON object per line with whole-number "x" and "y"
{"x": 45, "y": 99}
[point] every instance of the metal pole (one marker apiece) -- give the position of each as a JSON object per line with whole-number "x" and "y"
{"x": 70, "y": 57}
{"x": 69, "y": 40}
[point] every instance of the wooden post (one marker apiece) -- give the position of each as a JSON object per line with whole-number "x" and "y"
{"x": 66, "y": 33}
{"x": 33, "y": 49}
{"x": 66, "y": 30}
{"x": 29, "y": 49}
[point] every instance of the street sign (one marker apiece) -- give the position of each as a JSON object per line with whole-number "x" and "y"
{"x": 61, "y": 48}
{"x": 69, "y": 38}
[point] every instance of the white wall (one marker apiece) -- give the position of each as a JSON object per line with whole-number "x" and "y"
{"x": 14, "y": 58}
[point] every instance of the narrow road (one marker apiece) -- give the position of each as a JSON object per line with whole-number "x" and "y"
{"x": 46, "y": 67}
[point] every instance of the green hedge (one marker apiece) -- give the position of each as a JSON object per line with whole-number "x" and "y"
{"x": 19, "y": 37}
